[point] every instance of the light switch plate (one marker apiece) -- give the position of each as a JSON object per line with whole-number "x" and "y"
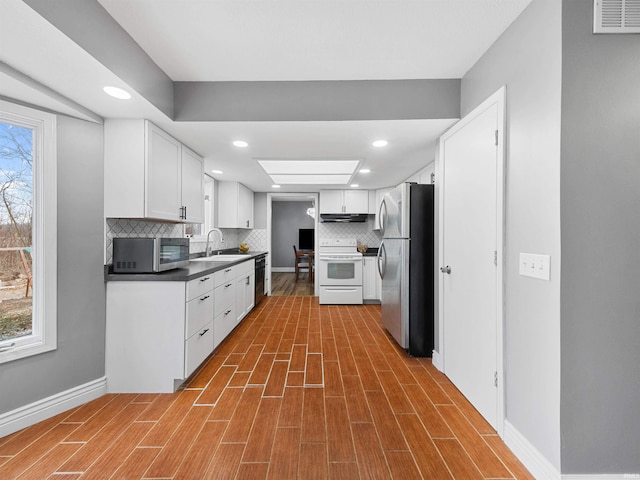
{"x": 535, "y": 266}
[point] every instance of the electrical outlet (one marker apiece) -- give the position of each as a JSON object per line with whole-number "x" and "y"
{"x": 535, "y": 266}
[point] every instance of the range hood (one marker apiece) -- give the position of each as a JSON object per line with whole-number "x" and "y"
{"x": 343, "y": 217}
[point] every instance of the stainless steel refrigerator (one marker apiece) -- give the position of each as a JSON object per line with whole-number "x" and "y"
{"x": 406, "y": 266}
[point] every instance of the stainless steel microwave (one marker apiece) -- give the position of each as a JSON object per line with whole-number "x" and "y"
{"x": 149, "y": 255}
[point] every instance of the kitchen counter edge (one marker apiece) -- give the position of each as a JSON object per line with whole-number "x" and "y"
{"x": 195, "y": 270}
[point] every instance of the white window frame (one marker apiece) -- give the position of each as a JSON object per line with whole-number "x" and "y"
{"x": 44, "y": 224}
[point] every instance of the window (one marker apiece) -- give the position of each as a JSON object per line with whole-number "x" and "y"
{"x": 200, "y": 229}
{"x": 27, "y": 232}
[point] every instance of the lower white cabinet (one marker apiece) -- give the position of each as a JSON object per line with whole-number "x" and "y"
{"x": 245, "y": 289}
{"x": 159, "y": 333}
{"x": 371, "y": 285}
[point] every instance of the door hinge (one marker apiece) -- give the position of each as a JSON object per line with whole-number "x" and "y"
{"x": 495, "y": 258}
{"x": 495, "y": 379}
{"x": 496, "y": 138}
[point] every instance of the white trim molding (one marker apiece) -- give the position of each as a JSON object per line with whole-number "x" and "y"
{"x": 35, "y": 412}
{"x": 283, "y": 269}
{"x": 436, "y": 360}
{"x": 529, "y": 455}
{"x": 602, "y": 476}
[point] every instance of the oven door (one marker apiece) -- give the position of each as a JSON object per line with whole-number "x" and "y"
{"x": 336, "y": 269}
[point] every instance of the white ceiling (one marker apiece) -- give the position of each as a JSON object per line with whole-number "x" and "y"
{"x": 213, "y": 40}
{"x": 206, "y": 40}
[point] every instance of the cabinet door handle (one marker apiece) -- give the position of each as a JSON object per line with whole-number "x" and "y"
{"x": 204, "y": 279}
{"x": 204, "y": 298}
{"x": 227, "y": 313}
{"x": 204, "y": 331}
{"x": 248, "y": 280}
{"x": 228, "y": 285}
{"x": 227, "y": 270}
{"x": 185, "y": 212}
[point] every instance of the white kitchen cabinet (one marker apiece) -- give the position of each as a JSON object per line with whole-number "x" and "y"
{"x": 344, "y": 201}
{"x": 372, "y": 202}
{"x": 157, "y": 333}
{"x": 192, "y": 186}
{"x": 224, "y": 320}
{"x": 235, "y": 205}
{"x": 380, "y": 193}
{"x": 245, "y": 289}
{"x": 149, "y": 174}
{"x": 370, "y": 279}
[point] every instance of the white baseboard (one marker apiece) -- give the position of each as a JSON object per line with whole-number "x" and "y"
{"x": 283, "y": 269}
{"x": 601, "y": 476}
{"x": 529, "y": 455}
{"x": 436, "y": 360}
{"x": 35, "y": 412}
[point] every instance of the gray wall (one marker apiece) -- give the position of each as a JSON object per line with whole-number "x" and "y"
{"x": 527, "y": 59}
{"x": 79, "y": 357}
{"x": 600, "y": 413}
{"x": 286, "y": 219}
{"x": 260, "y": 210}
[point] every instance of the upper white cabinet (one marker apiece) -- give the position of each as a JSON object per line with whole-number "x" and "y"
{"x": 344, "y": 201}
{"x": 192, "y": 186}
{"x": 149, "y": 174}
{"x": 235, "y": 205}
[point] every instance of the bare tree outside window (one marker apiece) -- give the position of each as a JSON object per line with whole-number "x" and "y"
{"x": 16, "y": 211}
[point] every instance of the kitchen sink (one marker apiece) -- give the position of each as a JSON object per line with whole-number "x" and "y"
{"x": 220, "y": 258}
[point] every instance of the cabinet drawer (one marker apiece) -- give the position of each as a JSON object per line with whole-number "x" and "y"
{"x": 224, "y": 275}
{"x": 223, "y": 324}
{"x": 245, "y": 267}
{"x": 199, "y": 286}
{"x": 197, "y": 348}
{"x": 199, "y": 313}
{"x": 225, "y": 297}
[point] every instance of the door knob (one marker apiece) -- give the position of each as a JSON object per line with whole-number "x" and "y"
{"x": 446, "y": 269}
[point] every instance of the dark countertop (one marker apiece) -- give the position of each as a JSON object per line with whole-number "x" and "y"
{"x": 194, "y": 270}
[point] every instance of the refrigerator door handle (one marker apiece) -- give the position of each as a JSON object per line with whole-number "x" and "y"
{"x": 382, "y": 219}
{"x": 382, "y": 269}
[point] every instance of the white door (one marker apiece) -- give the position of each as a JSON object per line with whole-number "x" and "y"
{"x": 470, "y": 255}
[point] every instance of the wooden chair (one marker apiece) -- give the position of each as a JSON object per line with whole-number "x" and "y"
{"x": 304, "y": 262}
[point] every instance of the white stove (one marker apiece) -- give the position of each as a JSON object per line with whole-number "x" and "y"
{"x": 339, "y": 265}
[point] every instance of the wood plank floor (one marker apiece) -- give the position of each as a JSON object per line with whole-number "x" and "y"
{"x": 284, "y": 284}
{"x": 298, "y": 391}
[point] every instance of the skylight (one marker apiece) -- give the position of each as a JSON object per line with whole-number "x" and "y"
{"x": 309, "y": 172}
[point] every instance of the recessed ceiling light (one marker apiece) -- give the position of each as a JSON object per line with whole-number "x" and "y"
{"x": 354, "y": 185}
{"x": 240, "y": 143}
{"x": 365, "y": 170}
{"x": 275, "y": 186}
{"x": 116, "y": 92}
{"x": 380, "y": 143}
{"x": 218, "y": 172}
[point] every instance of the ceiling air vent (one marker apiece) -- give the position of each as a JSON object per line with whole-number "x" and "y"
{"x": 616, "y": 16}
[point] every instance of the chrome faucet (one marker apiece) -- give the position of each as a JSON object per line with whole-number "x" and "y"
{"x": 206, "y": 251}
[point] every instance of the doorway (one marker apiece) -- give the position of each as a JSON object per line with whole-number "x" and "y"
{"x": 283, "y": 232}
{"x": 471, "y": 213}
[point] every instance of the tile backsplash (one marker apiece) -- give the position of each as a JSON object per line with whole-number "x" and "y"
{"x": 363, "y": 232}
{"x": 125, "y": 227}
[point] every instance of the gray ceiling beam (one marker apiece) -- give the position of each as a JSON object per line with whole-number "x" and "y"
{"x": 317, "y": 100}
{"x": 90, "y": 26}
